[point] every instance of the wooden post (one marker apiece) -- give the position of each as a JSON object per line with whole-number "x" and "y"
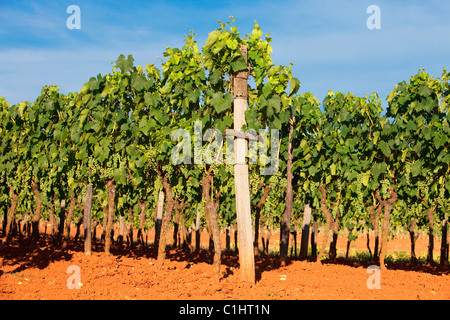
{"x": 197, "y": 231}
{"x": 158, "y": 218}
{"x": 121, "y": 227}
{"x": 62, "y": 216}
{"x": 87, "y": 221}
{"x": 305, "y": 232}
{"x": 286, "y": 217}
{"x": 314, "y": 237}
{"x": 110, "y": 212}
{"x": 444, "y": 241}
{"x": 241, "y": 178}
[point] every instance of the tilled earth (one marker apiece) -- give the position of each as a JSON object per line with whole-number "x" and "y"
{"x": 47, "y": 272}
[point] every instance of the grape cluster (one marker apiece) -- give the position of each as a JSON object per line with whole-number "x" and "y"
{"x": 424, "y": 185}
{"x": 408, "y": 167}
{"x": 385, "y": 186}
{"x": 442, "y": 200}
{"x": 358, "y": 202}
{"x": 254, "y": 185}
{"x": 168, "y": 170}
{"x": 313, "y": 190}
{"x": 93, "y": 166}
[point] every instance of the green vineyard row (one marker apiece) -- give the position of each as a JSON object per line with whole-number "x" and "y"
{"x": 106, "y": 151}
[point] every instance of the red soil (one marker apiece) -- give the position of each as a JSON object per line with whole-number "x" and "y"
{"x": 41, "y": 273}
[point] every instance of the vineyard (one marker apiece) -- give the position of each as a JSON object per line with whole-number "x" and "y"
{"x": 145, "y": 159}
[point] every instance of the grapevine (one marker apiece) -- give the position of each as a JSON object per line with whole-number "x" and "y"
{"x": 114, "y": 134}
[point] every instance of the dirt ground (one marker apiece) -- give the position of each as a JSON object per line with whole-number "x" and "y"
{"x": 47, "y": 272}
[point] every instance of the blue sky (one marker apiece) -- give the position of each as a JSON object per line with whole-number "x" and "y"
{"x": 327, "y": 40}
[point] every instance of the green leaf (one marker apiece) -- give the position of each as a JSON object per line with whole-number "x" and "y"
{"x": 312, "y": 170}
{"x": 216, "y": 75}
{"x": 275, "y": 103}
{"x": 384, "y": 147}
{"x": 345, "y": 114}
{"x": 43, "y": 162}
{"x": 164, "y": 147}
{"x": 120, "y": 176}
{"x": 212, "y": 37}
{"x": 124, "y": 84}
{"x": 425, "y": 90}
{"x": 140, "y": 162}
{"x": 83, "y": 115}
{"x": 447, "y": 185}
{"x": 101, "y": 153}
{"x": 276, "y": 122}
{"x": 377, "y": 169}
{"x": 221, "y": 102}
{"x": 232, "y": 44}
{"x": 439, "y": 140}
{"x": 416, "y": 168}
{"x": 94, "y": 83}
{"x": 352, "y": 237}
{"x": 256, "y": 32}
{"x": 219, "y": 45}
{"x": 303, "y": 144}
{"x": 194, "y": 95}
{"x": 75, "y": 134}
{"x": 194, "y": 182}
{"x": 105, "y": 142}
{"x": 267, "y": 89}
{"x": 345, "y": 130}
{"x": 376, "y": 136}
{"x": 239, "y": 64}
{"x": 123, "y": 64}
{"x": 294, "y": 86}
{"x": 411, "y": 125}
{"x": 228, "y": 120}
{"x": 365, "y": 178}
{"x": 152, "y": 99}
{"x": 269, "y": 109}
{"x": 333, "y": 169}
{"x": 343, "y": 150}
{"x": 85, "y": 88}
{"x": 140, "y": 82}
{"x": 120, "y": 145}
{"x": 219, "y": 125}
{"x": 21, "y": 108}
{"x": 428, "y": 133}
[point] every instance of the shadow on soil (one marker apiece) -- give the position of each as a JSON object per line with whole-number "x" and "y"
{"x": 23, "y": 256}
{"x": 405, "y": 266}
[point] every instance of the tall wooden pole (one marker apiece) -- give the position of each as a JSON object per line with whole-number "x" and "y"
{"x": 241, "y": 179}
{"x": 305, "y": 232}
{"x": 285, "y": 226}
{"x": 158, "y": 218}
{"x": 87, "y": 221}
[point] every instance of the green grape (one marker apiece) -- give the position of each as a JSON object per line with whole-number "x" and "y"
{"x": 358, "y": 202}
{"x": 385, "y": 186}
{"x": 408, "y": 167}
{"x": 254, "y": 183}
{"x": 229, "y": 169}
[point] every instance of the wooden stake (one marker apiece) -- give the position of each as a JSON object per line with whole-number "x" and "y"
{"x": 241, "y": 178}
{"x": 158, "y": 218}
{"x": 87, "y": 221}
{"x": 305, "y": 232}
